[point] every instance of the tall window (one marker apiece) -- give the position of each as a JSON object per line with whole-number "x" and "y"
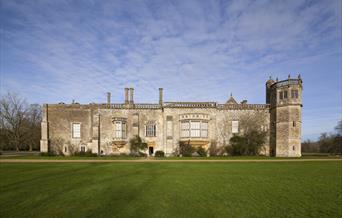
{"x": 76, "y": 130}
{"x": 285, "y": 94}
{"x": 185, "y": 129}
{"x": 194, "y": 129}
{"x": 204, "y": 129}
{"x": 151, "y": 130}
{"x": 294, "y": 93}
{"x": 120, "y": 129}
{"x": 235, "y": 126}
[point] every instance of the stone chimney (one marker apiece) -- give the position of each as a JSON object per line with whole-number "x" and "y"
{"x": 161, "y": 96}
{"x": 126, "y": 95}
{"x": 131, "y": 100}
{"x": 108, "y": 98}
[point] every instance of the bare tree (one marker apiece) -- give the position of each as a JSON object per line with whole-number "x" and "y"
{"x": 12, "y": 112}
{"x": 19, "y": 123}
{"x": 34, "y": 118}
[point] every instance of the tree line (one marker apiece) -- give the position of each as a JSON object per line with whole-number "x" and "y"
{"x": 327, "y": 143}
{"x": 20, "y": 123}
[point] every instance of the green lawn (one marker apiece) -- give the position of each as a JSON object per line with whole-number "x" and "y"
{"x": 286, "y": 189}
{"x": 323, "y": 156}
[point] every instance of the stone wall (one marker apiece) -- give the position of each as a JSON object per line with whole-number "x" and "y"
{"x": 61, "y": 117}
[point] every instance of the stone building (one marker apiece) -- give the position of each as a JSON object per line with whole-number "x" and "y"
{"x": 106, "y": 128}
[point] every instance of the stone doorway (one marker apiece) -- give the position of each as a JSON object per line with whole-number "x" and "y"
{"x": 150, "y": 151}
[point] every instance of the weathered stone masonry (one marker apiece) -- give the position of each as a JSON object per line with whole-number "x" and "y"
{"x": 106, "y": 128}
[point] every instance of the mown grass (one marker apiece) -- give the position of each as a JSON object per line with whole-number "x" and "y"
{"x": 303, "y": 189}
{"x": 166, "y": 158}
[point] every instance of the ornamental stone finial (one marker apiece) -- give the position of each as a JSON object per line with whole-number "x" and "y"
{"x": 289, "y": 76}
{"x": 277, "y": 79}
{"x": 299, "y": 77}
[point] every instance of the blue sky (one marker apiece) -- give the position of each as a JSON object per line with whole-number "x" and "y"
{"x": 53, "y": 51}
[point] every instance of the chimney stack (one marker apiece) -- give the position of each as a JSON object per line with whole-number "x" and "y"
{"x": 126, "y": 95}
{"x": 161, "y": 96}
{"x": 108, "y": 98}
{"x": 132, "y": 96}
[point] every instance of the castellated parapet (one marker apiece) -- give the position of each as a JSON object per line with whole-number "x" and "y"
{"x": 106, "y": 128}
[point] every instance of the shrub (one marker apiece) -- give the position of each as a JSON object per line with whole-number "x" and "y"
{"x": 248, "y": 144}
{"x": 84, "y": 154}
{"x": 159, "y": 154}
{"x": 137, "y": 145}
{"x": 185, "y": 149}
{"x": 49, "y": 153}
{"x": 201, "y": 152}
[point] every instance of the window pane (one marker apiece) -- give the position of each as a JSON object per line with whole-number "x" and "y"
{"x": 150, "y": 130}
{"x": 195, "y": 133}
{"x": 195, "y": 125}
{"x": 185, "y": 125}
{"x": 204, "y": 133}
{"x": 118, "y": 129}
{"x": 123, "y": 128}
{"x": 185, "y": 133}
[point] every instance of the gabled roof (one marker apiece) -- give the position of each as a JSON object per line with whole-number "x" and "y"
{"x": 231, "y": 100}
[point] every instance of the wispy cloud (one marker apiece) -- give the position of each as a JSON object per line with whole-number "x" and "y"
{"x": 55, "y": 51}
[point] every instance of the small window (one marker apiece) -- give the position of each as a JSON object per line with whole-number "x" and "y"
{"x": 235, "y": 126}
{"x": 76, "y": 130}
{"x": 294, "y": 93}
{"x": 293, "y": 148}
{"x": 280, "y": 95}
{"x": 285, "y": 94}
{"x": 82, "y": 149}
{"x": 294, "y": 124}
{"x": 65, "y": 149}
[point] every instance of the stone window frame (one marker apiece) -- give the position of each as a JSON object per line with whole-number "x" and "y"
{"x": 72, "y": 130}
{"x": 151, "y": 129}
{"x": 237, "y": 126}
{"x": 122, "y": 131}
{"x": 190, "y": 131}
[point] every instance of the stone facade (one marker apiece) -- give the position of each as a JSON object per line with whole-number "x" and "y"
{"x": 106, "y": 128}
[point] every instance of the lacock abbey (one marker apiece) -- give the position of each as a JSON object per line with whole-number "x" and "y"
{"x": 107, "y": 128}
